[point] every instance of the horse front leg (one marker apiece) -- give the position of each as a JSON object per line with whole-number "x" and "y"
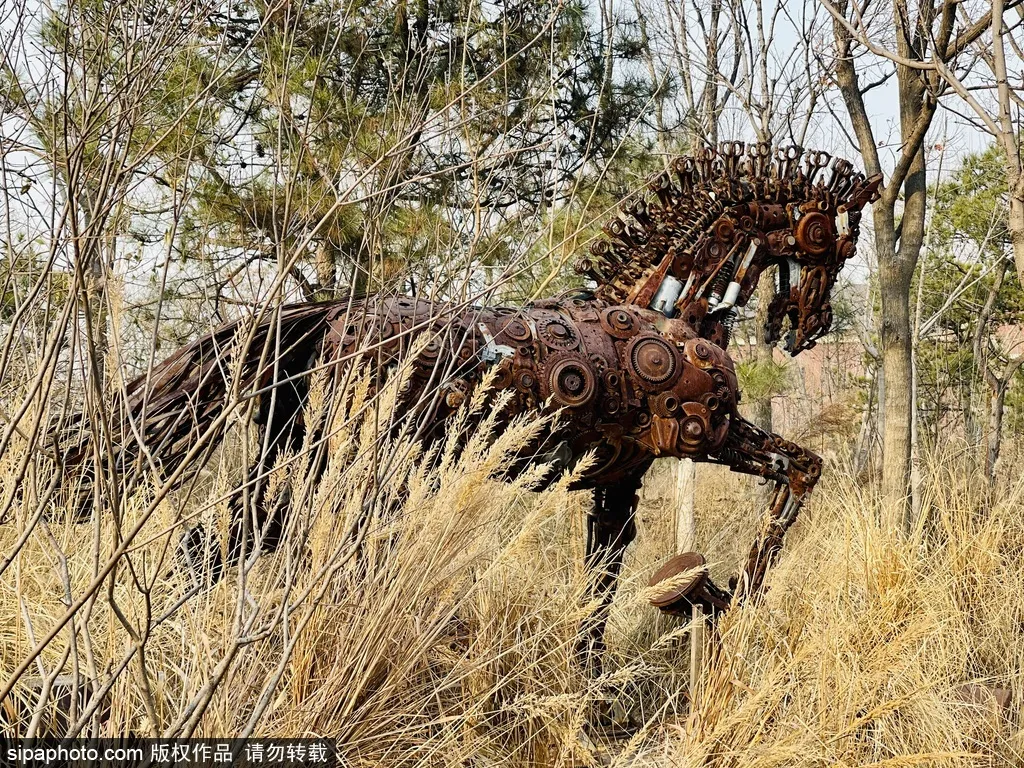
{"x": 611, "y": 527}
{"x": 794, "y": 470}
{"x": 753, "y": 451}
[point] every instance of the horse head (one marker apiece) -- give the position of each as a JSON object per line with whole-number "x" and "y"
{"x": 696, "y": 250}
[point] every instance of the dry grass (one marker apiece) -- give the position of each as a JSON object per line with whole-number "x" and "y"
{"x": 857, "y": 654}
{"x": 449, "y": 639}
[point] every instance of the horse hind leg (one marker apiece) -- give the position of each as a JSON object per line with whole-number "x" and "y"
{"x": 256, "y": 521}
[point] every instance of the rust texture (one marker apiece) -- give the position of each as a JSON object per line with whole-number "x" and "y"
{"x": 637, "y": 362}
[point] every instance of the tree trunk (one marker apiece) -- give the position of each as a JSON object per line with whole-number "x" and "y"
{"x": 865, "y": 438}
{"x": 897, "y": 275}
{"x": 99, "y": 342}
{"x": 997, "y": 390}
{"x": 895, "y": 399}
{"x": 896, "y": 366}
{"x": 895, "y": 264}
{"x": 763, "y": 352}
{"x": 709, "y": 109}
{"x": 1015, "y": 223}
{"x": 972, "y": 431}
{"x": 91, "y": 251}
{"x": 997, "y": 400}
{"x": 915, "y": 435}
{"x": 880, "y": 408}
{"x": 659, "y": 87}
{"x": 326, "y": 271}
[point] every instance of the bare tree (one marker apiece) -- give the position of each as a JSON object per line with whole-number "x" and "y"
{"x": 778, "y": 92}
{"x": 693, "y": 52}
{"x": 917, "y": 43}
{"x": 994, "y": 39}
{"x": 997, "y": 379}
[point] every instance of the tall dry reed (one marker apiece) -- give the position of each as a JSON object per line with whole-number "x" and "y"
{"x": 428, "y": 615}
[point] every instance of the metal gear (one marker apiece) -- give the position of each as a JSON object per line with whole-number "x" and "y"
{"x": 694, "y": 427}
{"x": 525, "y": 380}
{"x": 568, "y": 378}
{"x": 558, "y": 333}
{"x": 430, "y": 352}
{"x": 515, "y": 329}
{"x": 503, "y": 374}
{"x": 666, "y": 404}
{"x": 814, "y": 233}
{"x": 619, "y": 322}
{"x": 652, "y": 360}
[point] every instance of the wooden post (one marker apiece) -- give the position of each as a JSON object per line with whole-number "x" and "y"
{"x": 686, "y": 523}
{"x": 696, "y": 650}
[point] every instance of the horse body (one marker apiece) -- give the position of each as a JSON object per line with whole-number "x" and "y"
{"x": 632, "y": 383}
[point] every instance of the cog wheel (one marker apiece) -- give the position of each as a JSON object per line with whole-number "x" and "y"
{"x": 345, "y": 334}
{"x": 665, "y": 405}
{"x": 378, "y": 328}
{"x": 503, "y": 374}
{"x": 694, "y": 427}
{"x": 568, "y": 378}
{"x": 814, "y": 233}
{"x": 651, "y": 361}
{"x": 430, "y": 351}
{"x": 524, "y": 380}
{"x": 515, "y": 329}
{"x": 557, "y": 333}
{"x": 610, "y": 405}
{"x": 599, "y": 363}
{"x": 619, "y": 322}
{"x": 703, "y": 353}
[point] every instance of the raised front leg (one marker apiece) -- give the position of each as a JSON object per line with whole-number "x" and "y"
{"x": 794, "y": 470}
{"x": 611, "y": 527}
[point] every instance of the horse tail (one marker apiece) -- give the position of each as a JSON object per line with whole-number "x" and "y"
{"x": 177, "y": 414}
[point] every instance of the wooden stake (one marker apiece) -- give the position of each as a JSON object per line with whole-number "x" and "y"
{"x": 696, "y": 650}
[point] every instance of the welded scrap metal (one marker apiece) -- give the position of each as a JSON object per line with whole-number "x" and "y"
{"x": 637, "y": 362}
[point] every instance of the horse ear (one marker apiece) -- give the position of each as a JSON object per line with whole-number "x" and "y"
{"x": 869, "y": 191}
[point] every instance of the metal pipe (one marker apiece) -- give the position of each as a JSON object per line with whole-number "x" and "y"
{"x": 732, "y": 292}
{"x": 665, "y": 298}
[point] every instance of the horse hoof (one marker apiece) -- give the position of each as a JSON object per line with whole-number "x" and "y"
{"x": 684, "y": 583}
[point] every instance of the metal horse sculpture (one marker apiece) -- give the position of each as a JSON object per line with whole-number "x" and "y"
{"x": 638, "y": 364}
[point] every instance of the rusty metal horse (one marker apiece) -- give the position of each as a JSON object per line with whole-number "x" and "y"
{"x": 638, "y": 362}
